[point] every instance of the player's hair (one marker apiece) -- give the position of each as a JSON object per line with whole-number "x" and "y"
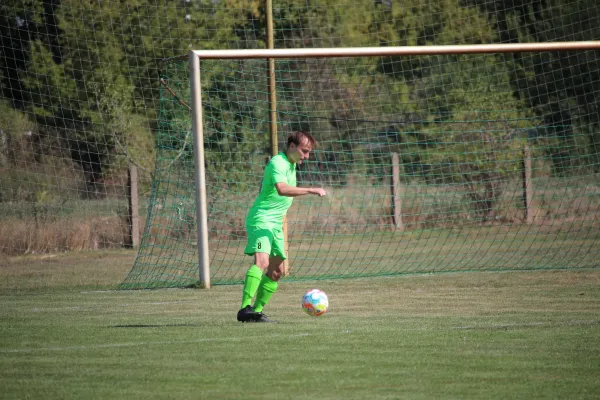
{"x": 299, "y": 136}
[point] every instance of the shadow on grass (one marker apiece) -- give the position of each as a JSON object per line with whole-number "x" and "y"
{"x": 153, "y": 325}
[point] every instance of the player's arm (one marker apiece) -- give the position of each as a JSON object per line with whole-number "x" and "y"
{"x": 292, "y": 191}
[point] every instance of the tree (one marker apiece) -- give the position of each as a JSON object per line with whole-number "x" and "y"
{"x": 561, "y": 88}
{"x": 69, "y": 86}
{"x": 457, "y": 120}
{"x": 21, "y": 22}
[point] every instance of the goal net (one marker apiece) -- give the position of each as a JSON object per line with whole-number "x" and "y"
{"x": 432, "y": 163}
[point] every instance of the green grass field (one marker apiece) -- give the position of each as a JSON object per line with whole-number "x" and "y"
{"x": 518, "y": 335}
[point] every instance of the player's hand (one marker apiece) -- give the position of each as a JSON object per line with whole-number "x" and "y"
{"x": 319, "y": 192}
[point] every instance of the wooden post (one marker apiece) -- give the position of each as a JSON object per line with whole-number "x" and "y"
{"x": 397, "y": 193}
{"x": 527, "y": 185}
{"x": 273, "y": 111}
{"x": 133, "y": 203}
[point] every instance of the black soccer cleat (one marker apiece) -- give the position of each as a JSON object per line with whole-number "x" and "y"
{"x": 263, "y": 318}
{"x": 247, "y": 314}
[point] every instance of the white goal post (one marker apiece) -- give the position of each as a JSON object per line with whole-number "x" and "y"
{"x": 194, "y": 57}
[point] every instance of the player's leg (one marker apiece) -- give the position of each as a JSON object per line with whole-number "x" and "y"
{"x": 253, "y": 277}
{"x": 268, "y": 283}
{"x": 251, "y": 283}
{"x": 259, "y": 246}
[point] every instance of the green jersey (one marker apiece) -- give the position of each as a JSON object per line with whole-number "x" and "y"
{"x": 269, "y": 208}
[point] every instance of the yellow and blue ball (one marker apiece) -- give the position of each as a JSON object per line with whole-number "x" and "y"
{"x": 315, "y": 302}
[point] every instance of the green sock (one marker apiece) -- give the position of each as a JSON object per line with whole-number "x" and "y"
{"x": 251, "y": 285}
{"x": 265, "y": 290}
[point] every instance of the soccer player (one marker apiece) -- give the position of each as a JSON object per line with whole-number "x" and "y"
{"x": 264, "y": 225}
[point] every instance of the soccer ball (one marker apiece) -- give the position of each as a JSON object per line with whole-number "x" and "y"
{"x": 315, "y": 302}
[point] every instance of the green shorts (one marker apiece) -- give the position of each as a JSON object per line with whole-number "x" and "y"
{"x": 264, "y": 240}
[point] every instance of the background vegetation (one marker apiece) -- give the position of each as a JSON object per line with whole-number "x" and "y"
{"x": 80, "y": 89}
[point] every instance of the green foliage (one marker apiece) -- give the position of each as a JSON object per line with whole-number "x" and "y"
{"x": 560, "y": 88}
{"x": 119, "y": 64}
{"x": 84, "y": 79}
{"x": 90, "y": 90}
